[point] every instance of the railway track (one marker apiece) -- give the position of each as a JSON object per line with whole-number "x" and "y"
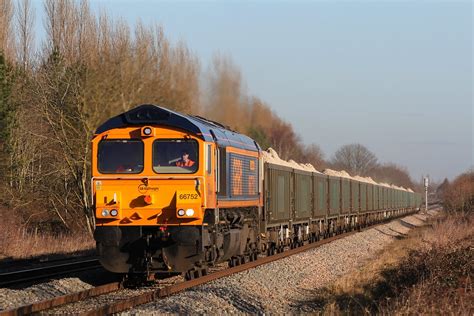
{"x": 36, "y": 273}
{"x": 144, "y": 296}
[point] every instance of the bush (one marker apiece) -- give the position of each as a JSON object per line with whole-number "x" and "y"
{"x": 459, "y": 195}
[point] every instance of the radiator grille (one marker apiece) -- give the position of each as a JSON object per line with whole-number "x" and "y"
{"x": 243, "y": 174}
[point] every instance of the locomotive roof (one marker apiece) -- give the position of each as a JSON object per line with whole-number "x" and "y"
{"x": 150, "y": 114}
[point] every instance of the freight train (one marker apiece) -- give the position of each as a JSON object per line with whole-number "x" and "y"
{"x": 176, "y": 193}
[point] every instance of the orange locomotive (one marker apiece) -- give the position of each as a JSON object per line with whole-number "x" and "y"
{"x": 173, "y": 193}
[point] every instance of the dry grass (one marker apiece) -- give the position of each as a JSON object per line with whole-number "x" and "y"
{"x": 427, "y": 273}
{"x": 18, "y": 242}
{"x": 444, "y": 267}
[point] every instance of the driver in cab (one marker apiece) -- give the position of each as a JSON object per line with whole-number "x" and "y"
{"x": 185, "y": 161}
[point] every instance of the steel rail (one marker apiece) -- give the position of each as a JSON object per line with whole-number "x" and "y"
{"x": 61, "y": 300}
{"x": 39, "y": 273}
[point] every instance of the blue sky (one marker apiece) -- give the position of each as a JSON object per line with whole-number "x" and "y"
{"x": 395, "y": 76}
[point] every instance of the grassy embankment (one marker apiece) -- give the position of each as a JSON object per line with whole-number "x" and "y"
{"x": 18, "y": 241}
{"x": 428, "y": 272}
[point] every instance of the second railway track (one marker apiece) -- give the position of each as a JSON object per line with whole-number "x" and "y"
{"x": 36, "y": 273}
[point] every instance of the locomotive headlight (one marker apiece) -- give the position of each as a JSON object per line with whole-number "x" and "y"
{"x": 189, "y": 212}
{"x": 114, "y": 212}
{"x": 181, "y": 212}
{"x": 105, "y": 213}
{"x": 147, "y": 131}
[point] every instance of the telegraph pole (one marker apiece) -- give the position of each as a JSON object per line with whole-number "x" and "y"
{"x": 426, "y": 182}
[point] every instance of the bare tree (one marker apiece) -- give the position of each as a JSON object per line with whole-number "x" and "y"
{"x": 314, "y": 155}
{"x": 261, "y": 115}
{"x": 6, "y": 40}
{"x": 285, "y": 141}
{"x": 25, "y": 22}
{"x": 392, "y": 173}
{"x": 57, "y": 91}
{"x": 61, "y": 27}
{"x": 225, "y": 94}
{"x": 355, "y": 159}
{"x": 459, "y": 195}
{"x": 185, "y": 79}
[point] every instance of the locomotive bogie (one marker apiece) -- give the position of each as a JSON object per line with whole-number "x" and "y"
{"x": 176, "y": 248}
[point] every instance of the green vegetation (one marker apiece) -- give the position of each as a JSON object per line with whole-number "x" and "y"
{"x": 6, "y": 112}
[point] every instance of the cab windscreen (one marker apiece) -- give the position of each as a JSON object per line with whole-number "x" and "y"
{"x": 120, "y": 156}
{"x": 175, "y": 156}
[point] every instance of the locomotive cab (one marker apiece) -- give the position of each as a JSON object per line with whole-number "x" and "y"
{"x": 155, "y": 175}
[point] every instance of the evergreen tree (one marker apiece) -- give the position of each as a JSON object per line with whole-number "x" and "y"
{"x": 6, "y": 116}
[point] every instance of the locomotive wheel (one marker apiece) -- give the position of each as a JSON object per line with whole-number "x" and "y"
{"x": 235, "y": 261}
{"x": 195, "y": 273}
{"x": 271, "y": 251}
{"x": 188, "y": 276}
{"x": 232, "y": 262}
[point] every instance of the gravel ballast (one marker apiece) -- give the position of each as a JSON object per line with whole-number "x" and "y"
{"x": 11, "y": 298}
{"x": 285, "y": 286}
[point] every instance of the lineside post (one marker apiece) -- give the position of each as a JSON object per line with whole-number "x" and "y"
{"x": 426, "y": 182}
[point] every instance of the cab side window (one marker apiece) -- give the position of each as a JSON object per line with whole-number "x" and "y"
{"x": 222, "y": 181}
{"x": 209, "y": 158}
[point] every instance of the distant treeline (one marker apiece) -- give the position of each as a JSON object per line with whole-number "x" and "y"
{"x": 89, "y": 68}
{"x": 458, "y": 195}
